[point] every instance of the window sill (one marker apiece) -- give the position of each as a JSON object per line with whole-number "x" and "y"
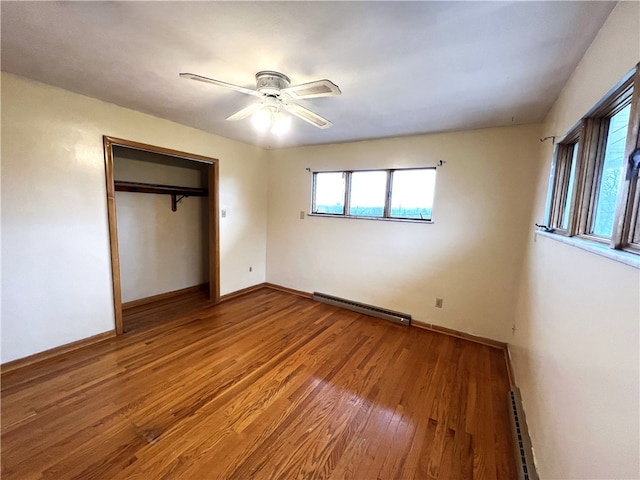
{"x": 380, "y": 219}
{"x": 619, "y": 256}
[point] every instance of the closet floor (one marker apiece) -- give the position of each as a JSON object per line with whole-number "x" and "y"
{"x": 162, "y": 311}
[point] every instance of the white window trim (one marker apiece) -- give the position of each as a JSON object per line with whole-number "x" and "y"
{"x": 360, "y": 217}
{"x": 389, "y": 171}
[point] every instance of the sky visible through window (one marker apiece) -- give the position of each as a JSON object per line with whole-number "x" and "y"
{"x": 368, "y": 192}
{"x": 412, "y": 193}
{"x": 329, "y": 192}
{"x": 572, "y": 178}
{"x": 611, "y": 173}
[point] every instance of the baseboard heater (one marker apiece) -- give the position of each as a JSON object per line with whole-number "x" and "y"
{"x": 521, "y": 440}
{"x": 396, "y": 317}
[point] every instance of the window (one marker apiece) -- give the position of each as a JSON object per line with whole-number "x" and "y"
{"x": 565, "y": 166}
{"x": 368, "y": 193}
{"x": 610, "y": 174}
{"x": 412, "y": 193}
{"x": 595, "y": 191}
{"x": 329, "y": 190}
{"x": 398, "y": 194}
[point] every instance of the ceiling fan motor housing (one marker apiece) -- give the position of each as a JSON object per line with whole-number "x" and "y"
{"x": 270, "y": 83}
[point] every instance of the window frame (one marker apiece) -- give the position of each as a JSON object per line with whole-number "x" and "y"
{"x": 313, "y": 195}
{"x": 591, "y": 133}
{"x": 560, "y": 177}
{"x": 347, "y": 195}
{"x": 627, "y": 217}
{"x": 386, "y": 194}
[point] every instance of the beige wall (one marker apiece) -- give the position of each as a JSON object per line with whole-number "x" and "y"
{"x": 160, "y": 250}
{"x": 575, "y": 351}
{"x": 56, "y": 274}
{"x": 575, "y": 348}
{"x": 470, "y": 256}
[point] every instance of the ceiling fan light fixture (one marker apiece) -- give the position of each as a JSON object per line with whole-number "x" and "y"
{"x": 281, "y": 124}
{"x": 262, "y": 119}
{"x": 270, "y": 118}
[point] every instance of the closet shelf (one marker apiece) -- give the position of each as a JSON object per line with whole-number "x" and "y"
{"x": 174, "y": 191}
{"x": 160, "y": 189}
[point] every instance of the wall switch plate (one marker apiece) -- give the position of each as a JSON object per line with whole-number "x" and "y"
{"x": 223, "y": 213}
{"x": 439, "y": 302}
{"x": 301, "y": 215}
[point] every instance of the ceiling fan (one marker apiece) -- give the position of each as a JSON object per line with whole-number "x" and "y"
{"x": 276, "y": 94}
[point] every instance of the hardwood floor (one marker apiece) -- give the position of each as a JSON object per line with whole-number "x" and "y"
{"x": 158, "y": 312}
{"x": 268, "y": 385}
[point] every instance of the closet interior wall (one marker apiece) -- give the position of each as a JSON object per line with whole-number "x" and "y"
{"x": 160, "y": 250}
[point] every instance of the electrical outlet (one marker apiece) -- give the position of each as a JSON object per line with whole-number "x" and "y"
{"x": 439, "y": 302}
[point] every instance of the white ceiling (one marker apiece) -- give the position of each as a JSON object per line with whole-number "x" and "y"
{"x": 403, "y": 68}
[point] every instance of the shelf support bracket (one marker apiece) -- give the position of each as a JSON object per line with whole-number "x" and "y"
{"x": 175, "y": 200}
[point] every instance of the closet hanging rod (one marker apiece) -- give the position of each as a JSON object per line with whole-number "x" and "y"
{"x": 177, "y": 193}
{"x": 139, "y": 187}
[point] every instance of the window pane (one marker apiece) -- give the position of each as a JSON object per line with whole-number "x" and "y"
{"x": 368, "y": 192}
{"x": 611, "y": 173}
{"x": 572, "y": 177}
{"x": 329, "y": 192}
{"x": 412, "y": 193}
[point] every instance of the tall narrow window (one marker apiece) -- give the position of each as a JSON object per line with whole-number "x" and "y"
{"x": 611, "y": 174}
{"x": 572, "y": 181}
{"x": 564, "y": 180}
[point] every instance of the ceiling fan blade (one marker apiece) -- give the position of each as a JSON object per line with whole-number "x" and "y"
{"x": 319, "y": 88}
{"x": 307, "y": 115}
{"x": 237, "y": 88}
{"x": 245, "y": 112}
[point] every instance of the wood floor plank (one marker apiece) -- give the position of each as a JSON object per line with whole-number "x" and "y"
{"x": 265, "y": 385}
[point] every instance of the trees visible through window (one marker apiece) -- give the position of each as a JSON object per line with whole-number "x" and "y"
{"x": 399, "y": 194}
{"x": 611, "y": 173}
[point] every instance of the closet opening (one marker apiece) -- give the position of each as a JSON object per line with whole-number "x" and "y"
{"x": 163, "y": 224}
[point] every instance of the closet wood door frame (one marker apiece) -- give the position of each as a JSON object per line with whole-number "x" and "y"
{"x": 213, "y": 241}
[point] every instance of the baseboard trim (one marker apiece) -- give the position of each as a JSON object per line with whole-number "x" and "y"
{"x": 273, "y": 286}
{"x": 52, "y": 353}
{"x": 455, "y": 333}
{"x": 243, "y": 291}
{"x": 164, "y": 296}
{"x": 85, "y": 342}
{"x": 414, "y": 323}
